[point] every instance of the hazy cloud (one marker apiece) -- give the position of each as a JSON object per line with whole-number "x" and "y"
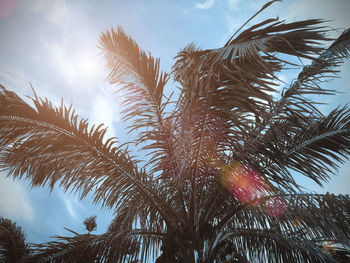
{"x": 336, "y": 11}
{"x": 77, "y": 61}
{"x": 55, "y": 11}
{"x": 232, "y": 3}
{"x": 11, "y": 79}
{"x": 14, "y": 202}
{"x": 70, "y": 207}
{"x": 105, "y": 110}
{"x": 206, "y": 5}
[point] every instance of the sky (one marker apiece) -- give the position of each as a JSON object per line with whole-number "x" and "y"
{"x": 52, "y": 45}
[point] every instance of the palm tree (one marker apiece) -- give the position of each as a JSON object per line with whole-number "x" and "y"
{"x": 219, "y": 184}
{"x": 90, "y": 224}
{"x": 13, "y": 247}
{"x": 79, "y": 252}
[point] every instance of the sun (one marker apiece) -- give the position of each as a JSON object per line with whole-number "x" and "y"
{"x": 79, "y": 65}
{"x": 86, "y": 65}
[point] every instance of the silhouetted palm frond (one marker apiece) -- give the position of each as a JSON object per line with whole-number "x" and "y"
{"x": 141, "y": 83}
{"x": 13, "y": 247}
{"x": 121, "y": 246}
{"x": 50, "y": 145}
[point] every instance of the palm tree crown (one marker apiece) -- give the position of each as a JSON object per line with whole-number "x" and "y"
{"x": 90, "y": 224}
{"x": 219, "y": 182}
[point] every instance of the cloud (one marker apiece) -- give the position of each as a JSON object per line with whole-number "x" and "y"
{"x": 69, "y": 207}
{"x": 336, "y": 12}
{"x": 14, "y": 201}
{"x": 55, "y": 11}
{"x": 11, "y": 78}
{"x": 77, "y": 61}
{"x": 206, "y": 5}
{"x": 232, "y": 4}
{"x": 232, "y": 24}
{"x": 105, "y": 110}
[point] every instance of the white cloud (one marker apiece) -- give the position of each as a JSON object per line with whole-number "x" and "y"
{"x": 78, "y": 63}
{"x": 336, "y": 11}
{"x": 60, "y": 60}
{"x": 70, "y": 207}
{"x": 206, "y": 5}
{"x": 14, "y": 79}
{"x": 55, "y": 11}
{"x": 232, "y": 4}
{"x": 14, "y": 201}
{"x": 232, "y": 23}
{"x": 105, "y": 110}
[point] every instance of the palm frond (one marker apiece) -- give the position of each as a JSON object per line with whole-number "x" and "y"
{"x": 50, "y": 145}
{"x": 246, "y": 65}
{"x": 233, "y": 84}
{"x": 314, "y": 148}
{"x": 141, "y": 84}
{"x": 309, "y": 221}
{"x": 309, "y": 79}
{"x": 13, "y": 247}
{"x": 138, "y": 76}
{"x": 122, "y": 246}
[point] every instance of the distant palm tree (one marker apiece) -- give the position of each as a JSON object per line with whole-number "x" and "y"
{"x": 53, "y": 250}
{"x": 90, "y": 224}
{"x": 13, "y": 247}
{"x": 219, "y": 183}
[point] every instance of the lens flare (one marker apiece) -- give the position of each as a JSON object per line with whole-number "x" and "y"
{"x": 244, "y": 183}
{"x": 7, "y": 7}
{"x": 275, "y": 207}
{"x": 248, "y": 186}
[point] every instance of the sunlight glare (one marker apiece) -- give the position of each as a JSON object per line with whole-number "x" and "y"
{"x": 80, "y": 65}
{"x": 85, "y": 65}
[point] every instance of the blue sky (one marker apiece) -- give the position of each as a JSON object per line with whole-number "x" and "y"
{"x": 52, "y": 45}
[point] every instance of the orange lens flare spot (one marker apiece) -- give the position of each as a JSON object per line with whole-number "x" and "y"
{"x": 244, "y": 183}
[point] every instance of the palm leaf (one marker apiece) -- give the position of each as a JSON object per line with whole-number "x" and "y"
{"x": 49, "y": 145}
{"x": 314, "y": 148}
{"x": 138, "y": 76}
{"x": 309, "y": 221}
{"x": 13, "y": 247}
{"x": 141, "y": 84}
{"x": 121, "y": 246}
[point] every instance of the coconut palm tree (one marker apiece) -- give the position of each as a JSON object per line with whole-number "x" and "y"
{"x": 57, "y": 251}
{"x": 13, "y": 247}
{"x": 90, "y": 224}
{"x": 222, "y": 152}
